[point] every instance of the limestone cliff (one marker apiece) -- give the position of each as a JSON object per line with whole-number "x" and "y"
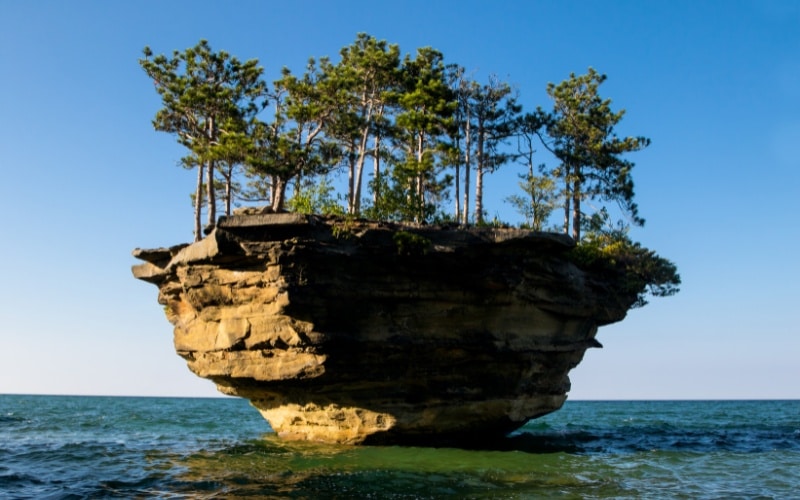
{"x": 357, "y": 332}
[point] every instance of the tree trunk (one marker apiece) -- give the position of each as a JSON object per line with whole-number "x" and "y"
{"x": 535, "y": 224}
{"x": 351, "y": 189}
{"x": 567, "y": 198}
{"x": 211, "y": 196}
{"x": 210, "y": 189}
{"x": 457, "y": 197}
{"x": 359, "y": 174}
{"x": 198, "y": 204}
{"x": 298, "y": 183}
{"x": 376, "y": 162}
{"x": 278, "y": 194}
{"x": 420, "y": 187}
{"x": 576, "y": 210}
{"x": 457, "y": 169}
{"x": 467, "y": 168}
{"x": 479, "y": 176}
{"x": 362, "y": 156}
{"x": 228, "y": 194}
{"x": 530, "y": 159}
{"x": 376, "y": 174}
{"x": 273, "y": 181}
{"x": 479, "y": 194}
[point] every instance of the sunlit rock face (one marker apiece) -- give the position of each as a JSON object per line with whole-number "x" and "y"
{"x": 360, "y": 332}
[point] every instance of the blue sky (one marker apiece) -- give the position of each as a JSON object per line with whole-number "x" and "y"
{"x": 715, "y": 85}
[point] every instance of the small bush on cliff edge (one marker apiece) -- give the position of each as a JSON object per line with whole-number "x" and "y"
{"x": 637, "y": 270}
{"x": 411, "y": 244}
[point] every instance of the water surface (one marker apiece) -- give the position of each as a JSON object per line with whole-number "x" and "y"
{"x": 112, "y": 447}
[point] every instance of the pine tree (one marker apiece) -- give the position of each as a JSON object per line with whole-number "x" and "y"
{"x": 425, "y": 117}
{"x": 293, "y": 144}
{"x": 201, "y": 90}
{"x": 366, "y": 76}
{"x": 581, "y": 127}
{"x": 493, "y": 110}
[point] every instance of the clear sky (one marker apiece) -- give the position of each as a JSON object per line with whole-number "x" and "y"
{"x": 714, "y": 84}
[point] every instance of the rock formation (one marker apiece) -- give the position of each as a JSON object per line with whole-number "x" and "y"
{"x": 349, "y": 331}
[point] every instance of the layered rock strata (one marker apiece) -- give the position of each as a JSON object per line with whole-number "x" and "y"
{"x": 360, "y": 332}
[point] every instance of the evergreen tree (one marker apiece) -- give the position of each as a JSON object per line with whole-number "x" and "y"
{"x": 426, "y": 105}
{"x": 461, "y": 139}
{"x": 426, "y": 122}
{"x": 366, "y": 75}
{"x": 201, "y": 90}
{"x": 231, "y": 151}
{"x": 492, "y": 111}
{"x": 540, "y": 200}
{"x": 293, "y": 144}
{"x": 581, "y": 127}
{"x": 541, "y": 190}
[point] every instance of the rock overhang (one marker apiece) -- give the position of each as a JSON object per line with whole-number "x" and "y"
{"x": 354, "y": 331}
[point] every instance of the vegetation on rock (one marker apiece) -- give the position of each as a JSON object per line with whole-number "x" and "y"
{"x": 631, "y": 268}
{"x": 428, "y": 130}
{"x": 411, "y": 243}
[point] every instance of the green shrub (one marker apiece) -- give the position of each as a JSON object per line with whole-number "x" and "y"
{"x": 411, "y": 243}
{"x": 636, "y": 270}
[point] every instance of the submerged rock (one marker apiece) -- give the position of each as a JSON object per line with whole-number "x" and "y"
{"x": 350, "y": 331}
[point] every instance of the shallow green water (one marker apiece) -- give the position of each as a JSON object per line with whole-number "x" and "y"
{"x": 82, "y": 447}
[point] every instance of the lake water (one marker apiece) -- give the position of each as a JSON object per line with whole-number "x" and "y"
{"x": 114, "y": 447}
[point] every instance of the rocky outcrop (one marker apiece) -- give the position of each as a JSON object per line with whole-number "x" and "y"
{"x": 360, "y": 332}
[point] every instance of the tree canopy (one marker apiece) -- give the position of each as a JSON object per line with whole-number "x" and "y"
{"x": 428, "y": 129}
{"x": 582, "y": 137}
{"x": 206, "y": 95}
